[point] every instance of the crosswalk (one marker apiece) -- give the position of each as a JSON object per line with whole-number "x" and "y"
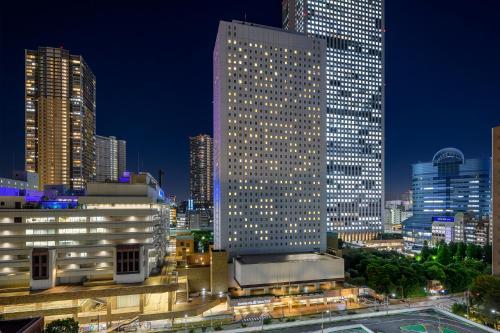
{"x": 255, "y": 317}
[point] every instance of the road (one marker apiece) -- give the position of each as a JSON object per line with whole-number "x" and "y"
{"x": 432, "y": 320}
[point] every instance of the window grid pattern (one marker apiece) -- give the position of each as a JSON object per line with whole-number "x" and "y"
{"x": 270, "y": 150}
{"x": 354, "y": 34}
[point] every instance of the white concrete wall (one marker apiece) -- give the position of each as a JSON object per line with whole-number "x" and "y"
{"x": 267, "y": 273}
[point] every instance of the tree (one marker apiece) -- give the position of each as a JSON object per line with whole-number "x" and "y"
{"x": 435, "y": 272}
{"x": 459, "y": 254}
{"x": 457, "y": 279}
{"x": 453, "y": 249}
{"x": 459, "y": 309}
{"x": 443, "y": 255}
{"x": 485, "y": 291}
{"x": 474, "y": 251}
{"x": 68, "y": 325}
{"x": 203, "y": 238}
{"x": 425, "y": 253}
{"x": 487, "y": 253}
{"x": 340, "y": 243}
{"x": 377, "y": 278}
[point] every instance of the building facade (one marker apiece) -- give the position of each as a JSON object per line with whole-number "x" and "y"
{"x": 22, "y": 184}
{"x": 495, "y": 184}
{"x": 447, "y": 185}
{"x": 117, "y": 232}
{"x": 111, "y": 158}
{"x": 60, "y": 107}
{"x": 396, "y": 212}
{"x": 269, "y": 147}
{"x": 201, "y": 169}
{"x": 462, "y": 228}
{"x": 354, "y": 34}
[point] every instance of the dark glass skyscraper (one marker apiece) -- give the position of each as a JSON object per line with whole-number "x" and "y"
{"x": 201, "y": 169}
{"x": 443, "y": 187}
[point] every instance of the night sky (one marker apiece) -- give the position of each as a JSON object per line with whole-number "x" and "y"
{"x": 153, "y": 64}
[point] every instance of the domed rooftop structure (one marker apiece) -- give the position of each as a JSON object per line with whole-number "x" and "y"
{"x": 448, "y": 155}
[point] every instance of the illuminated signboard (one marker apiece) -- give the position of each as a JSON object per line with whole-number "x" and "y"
{"x": 251, "y": 301}
{"x": 443, "y": 219}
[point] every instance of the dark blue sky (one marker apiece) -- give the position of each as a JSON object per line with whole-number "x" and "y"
{"x": 153, "y": 63}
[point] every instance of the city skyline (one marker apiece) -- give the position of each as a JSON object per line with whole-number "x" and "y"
{"x": 435, "y": 50}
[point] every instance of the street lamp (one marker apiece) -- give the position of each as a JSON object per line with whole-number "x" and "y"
{"x": 185, "y": 322}
{"x": 330, "y": 314}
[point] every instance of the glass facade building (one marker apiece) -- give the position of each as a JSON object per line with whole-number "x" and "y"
{"x": 443, "y": 187}
{"x": 355, "y": 108}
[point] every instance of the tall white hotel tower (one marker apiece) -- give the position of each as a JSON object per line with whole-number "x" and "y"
{"x": 353, "y": 30}
{"x": 269, "y": 146}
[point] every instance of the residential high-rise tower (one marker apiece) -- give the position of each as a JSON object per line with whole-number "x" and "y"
{"x": 269, "y": 147}
{"x": 201, "y": 169}
{"x": 60, "y": 108}
{"x": 353, "y": 31}
{"x": 110, "y": 158}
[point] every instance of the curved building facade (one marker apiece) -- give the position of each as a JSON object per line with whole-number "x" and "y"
{"x": 448, "y": 184}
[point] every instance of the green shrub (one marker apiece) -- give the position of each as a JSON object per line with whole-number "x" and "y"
{"x": 267, "y": 321}
{"x": 459, "y": 309}
{"x": 68, "y": 325}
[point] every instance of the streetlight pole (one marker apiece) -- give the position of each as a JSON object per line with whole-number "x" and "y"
{"x": 322, "y": 321}
{"x": 468, "y": 309}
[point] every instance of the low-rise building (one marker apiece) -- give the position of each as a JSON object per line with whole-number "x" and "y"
{"x": 98, "y": 260}
{"x": 396, "y": 212}
{"x": 463, "y": 227}
{"x": 22, "y": 183}
{"x": 286, "y": 281}
{"x": 117, "y": 232}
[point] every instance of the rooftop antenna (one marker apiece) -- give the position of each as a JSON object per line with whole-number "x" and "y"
{"x": 160, "y": 176}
